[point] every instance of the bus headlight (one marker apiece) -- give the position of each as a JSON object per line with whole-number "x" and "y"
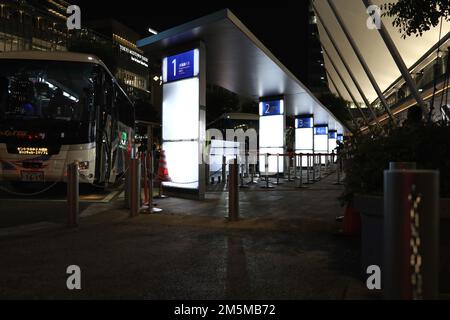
{"x": 83, "y": 165}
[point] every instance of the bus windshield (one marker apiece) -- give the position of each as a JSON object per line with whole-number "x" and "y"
{"x": 41, "y": 89}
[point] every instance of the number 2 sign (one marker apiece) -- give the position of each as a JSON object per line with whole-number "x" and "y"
{"x": 271, "y": 108}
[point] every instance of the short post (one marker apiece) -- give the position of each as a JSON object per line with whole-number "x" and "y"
{"x": 289, "y": 168}
{"x": 308, "y": 161}
{"x": 152, "y": 207}
{"x": 338, "y": 171}
{"x": 295, "y": 166}
{"x": 252, "y": 174}
{"x": 73, "y": 194}
{"x": 314, "y": 168}
{"x": 266, "y": 167}
{"x": 127, "y": 181}
{"x": 241, "y": 177}
{"x": 207, "y": 173}
{"x": 135, "y": 187}
{"x": 402, "y": 166}
{"x": 300, "y": 179}
{"x": 224, "y": 169}
{"x": 411, "y": 234}
{"x": 247, "y": 169}
{"x": 320, "y": 166}
{"x": 278, "y": 168}
{"x": 233, "y": 192}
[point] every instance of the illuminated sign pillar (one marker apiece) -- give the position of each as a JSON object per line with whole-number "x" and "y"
{"x": 332, "y": 141}
{"x": 271, "y": 134}
{"x": 183, "y": 122}
{"x": 304, "y": 137}
{"x": 321, "y": 140}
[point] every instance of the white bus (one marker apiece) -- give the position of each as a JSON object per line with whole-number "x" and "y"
{"x": 57, "y": 108}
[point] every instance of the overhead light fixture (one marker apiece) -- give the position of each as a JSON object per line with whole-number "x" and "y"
{"x": 155, "y": 78}
{"x": 152, "y": 31}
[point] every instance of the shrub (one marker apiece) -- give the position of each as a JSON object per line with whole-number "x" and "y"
{"x": 427, "y": 144}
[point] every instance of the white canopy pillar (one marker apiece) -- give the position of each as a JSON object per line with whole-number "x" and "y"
{"x": 183, "y": 123}
{"x": 321, "y": 140}
{"x": 272, "y": 124}
{"x": 332, "y": 141}
{"x": 304, "y": 136}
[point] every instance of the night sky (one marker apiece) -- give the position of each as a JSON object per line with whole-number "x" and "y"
{"x": 281, "y": 28}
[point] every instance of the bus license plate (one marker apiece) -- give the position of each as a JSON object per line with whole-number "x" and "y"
{"x": 32, "y": 176}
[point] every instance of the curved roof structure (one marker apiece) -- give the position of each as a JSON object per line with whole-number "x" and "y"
{"x": 371, "y": 45}
{"x": 237, "y": 61}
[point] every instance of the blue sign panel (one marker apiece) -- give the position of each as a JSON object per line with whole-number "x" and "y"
{"x": 304, "y": 122}
{"x": 181, "y": 66}
{"x": 340, "y": 137}
{"x": 271, "y": 108}
{"x": 321, "y": 131}
{"x": 332, "y": 135}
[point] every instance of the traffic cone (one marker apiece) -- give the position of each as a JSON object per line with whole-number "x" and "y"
{"x": 163, "y": 172}
{"x": 352, "y": 221}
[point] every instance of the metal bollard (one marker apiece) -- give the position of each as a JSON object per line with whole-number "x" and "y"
{"x": 278, "y": 168}
{"x": 278, "y": 182}
{"x": 320, "y": 167}
{"x": 247, "y": 170}
{"x": 252, "y": 174}
{"x": 127, "y": 181}
{"x": 411, "y": 234}
{"x": 295, "y": 168}
{"x": 402, "y": 166}
{"x": 233, "y": 192}
{"x": 308, "y": 161}
{"x": 313, "y": 168}
{"x": 135, "y": 187}
{"x": 241, "y": 177}
{"x": 338, "y": 171}
{"x": 224, "y": 169}
{"x": 266, "y": 167}
{"x": 73, "y": 194}
{"x": 151, "y": 206}
{"x": 207, "y": 173}
{"x": 300, "y": 180}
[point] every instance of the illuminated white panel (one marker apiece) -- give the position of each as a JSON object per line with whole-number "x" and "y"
{"x": 272, "y": 160}
{"x": 182, "y": 159}
{"x": 220, "y": 148}
{"x": 304, "y": 143}
{"x": 181, "y": 110}
{"x": 271, "y": 131}
{"x": 332, "y": 145}
{"x": 321, "y": 144}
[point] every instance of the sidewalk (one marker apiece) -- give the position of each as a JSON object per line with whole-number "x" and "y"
{"x": 285, "y": 247}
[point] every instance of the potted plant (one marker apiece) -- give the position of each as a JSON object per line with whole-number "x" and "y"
{"x": 426, "y": 144}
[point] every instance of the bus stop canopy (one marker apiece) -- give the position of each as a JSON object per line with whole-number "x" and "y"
{"x": 237, "y": 61}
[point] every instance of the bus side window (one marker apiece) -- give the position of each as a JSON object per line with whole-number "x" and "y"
{"x": 126, "y": 112}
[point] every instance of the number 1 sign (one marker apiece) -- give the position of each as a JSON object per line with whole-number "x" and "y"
{"x": 181, "y": 66}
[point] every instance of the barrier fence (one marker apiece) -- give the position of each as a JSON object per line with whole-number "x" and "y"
{"x": 301, "y": 168}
